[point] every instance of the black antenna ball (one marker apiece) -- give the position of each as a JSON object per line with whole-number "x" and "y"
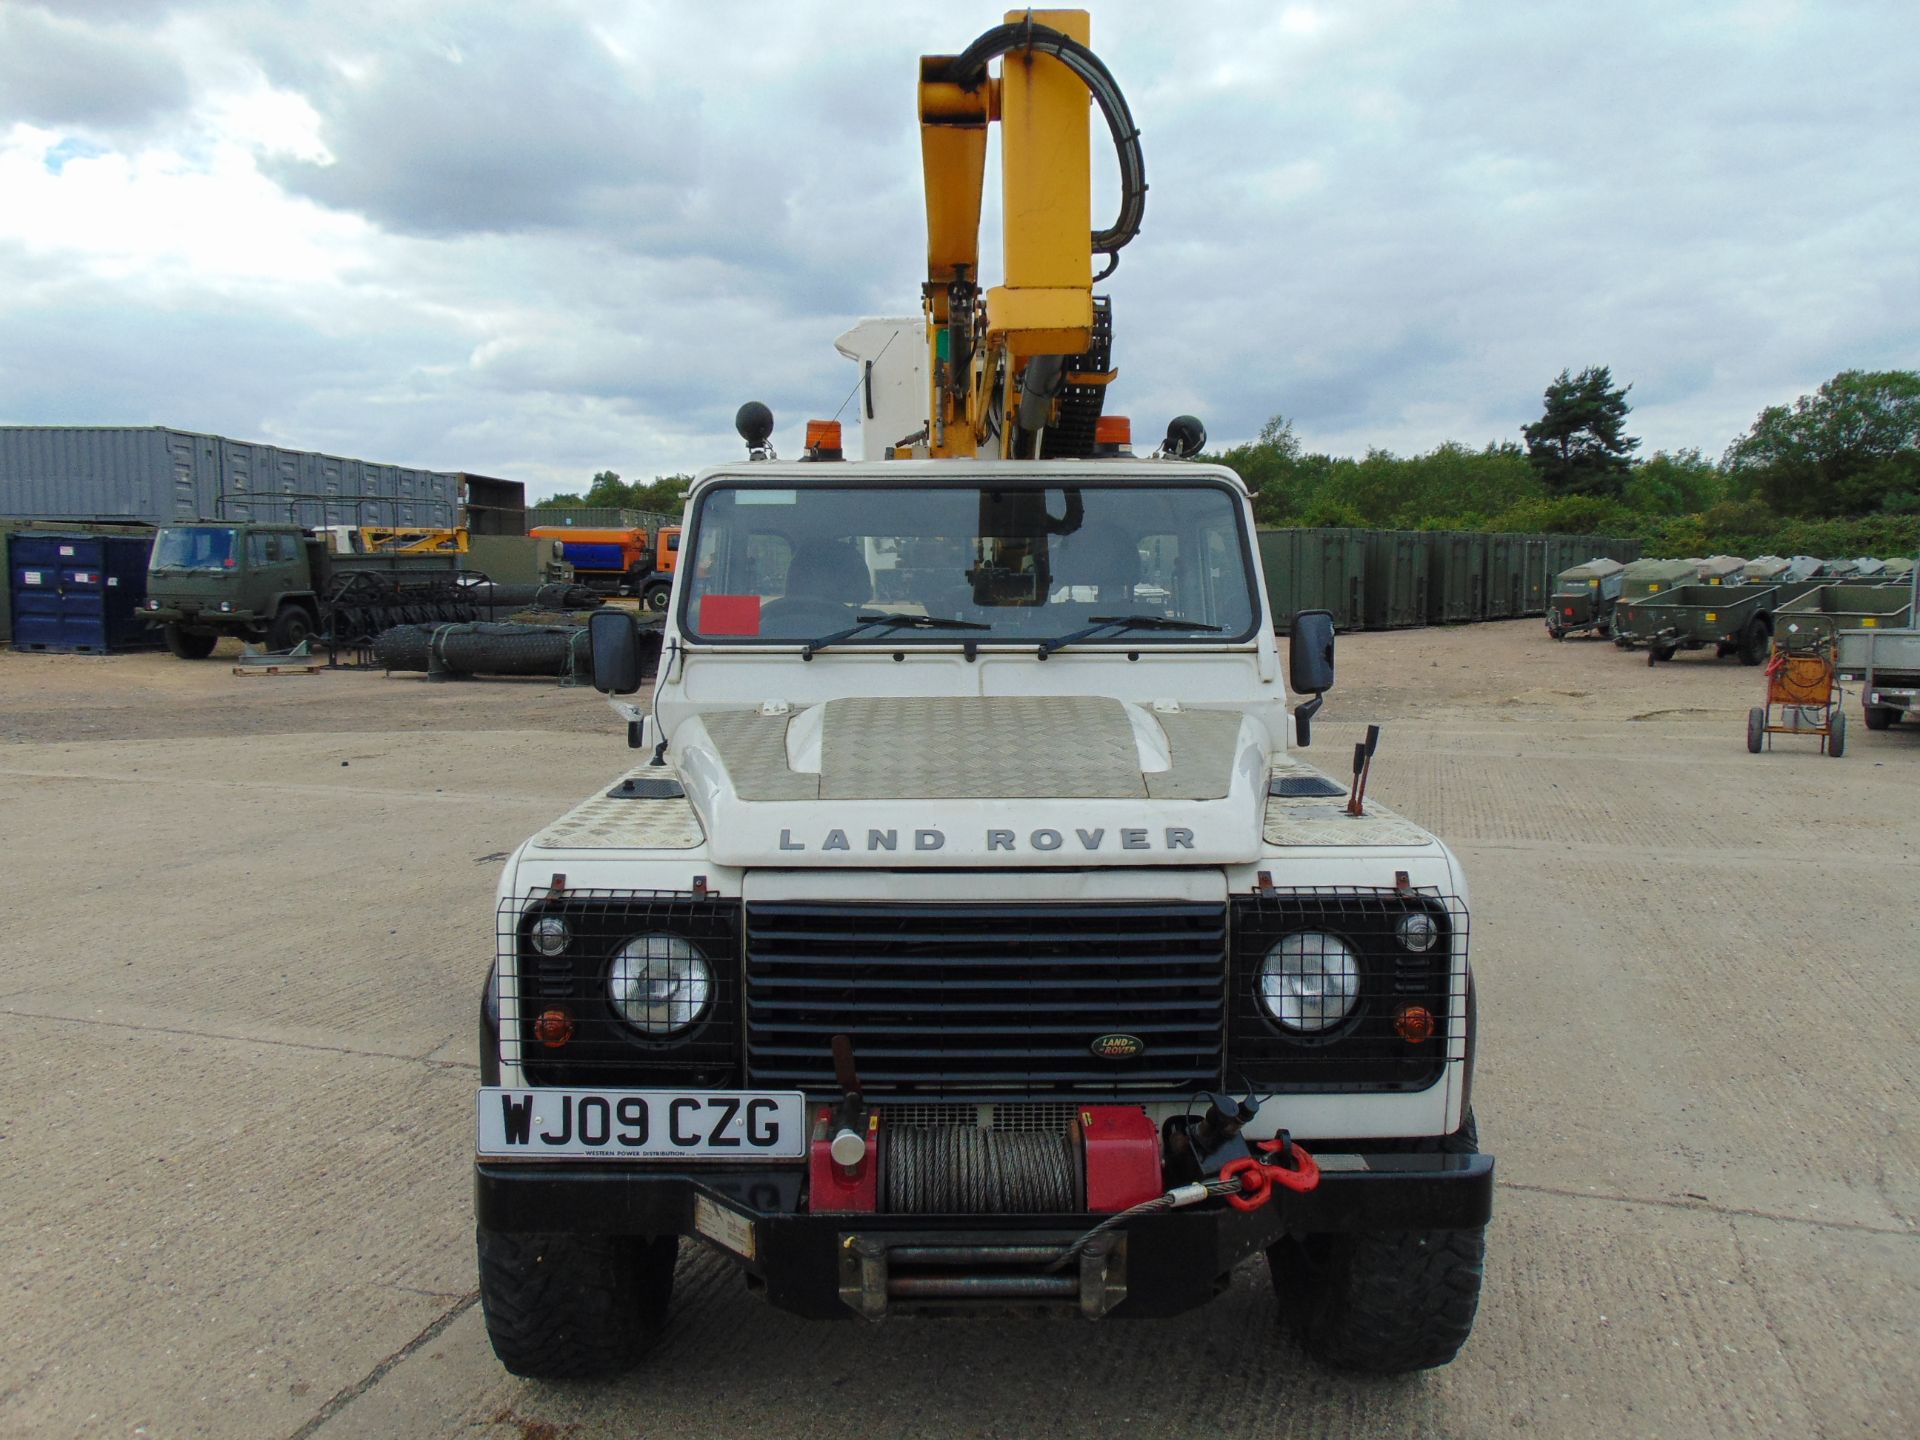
{"x": 754, "y": 421}
{"x": 1186, "y": 437}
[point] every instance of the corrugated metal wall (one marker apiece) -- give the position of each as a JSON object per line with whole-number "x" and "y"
{"x": 160, "y": 477}
{"x": 1382, "y": 579}
{"x": 596, "y": 517}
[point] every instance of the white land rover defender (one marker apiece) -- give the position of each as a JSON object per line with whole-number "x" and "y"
{"x": 972, "y": 940}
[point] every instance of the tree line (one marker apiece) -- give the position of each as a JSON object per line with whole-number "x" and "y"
{"x": 662, "y": 494}
{"x": 1834, "y": 473}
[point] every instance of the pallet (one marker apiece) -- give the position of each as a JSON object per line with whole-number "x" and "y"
{"x": 300, "y": 667}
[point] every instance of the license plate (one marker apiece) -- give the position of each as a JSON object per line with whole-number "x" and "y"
{"x": 642, "y": 1124}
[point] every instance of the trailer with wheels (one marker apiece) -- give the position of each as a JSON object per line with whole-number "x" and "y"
{"x": 1733, "y": 619}
{"x": 1884, "y": 659}
{"x": 1583, "y": 599}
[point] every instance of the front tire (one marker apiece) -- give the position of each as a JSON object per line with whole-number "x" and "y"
{"x": 573, "y": 1307}
{"x": 1837, "y": 734}
{"x": 654, "y": 598}
{"x": 190, "y": 644}
{"x": 292, "y": 625}
{"x": 1388, "y": 1302}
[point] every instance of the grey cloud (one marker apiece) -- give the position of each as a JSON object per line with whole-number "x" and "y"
{"x": 1396, "y": 230}
{"x": 513, "y": 124}
{"x": 56, "y": 72}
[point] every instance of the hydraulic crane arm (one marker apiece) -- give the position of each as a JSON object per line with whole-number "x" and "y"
{"x": 996, "y": 370}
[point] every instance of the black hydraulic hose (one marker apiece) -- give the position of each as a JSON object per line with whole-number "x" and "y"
{"x": 969, "y": 68}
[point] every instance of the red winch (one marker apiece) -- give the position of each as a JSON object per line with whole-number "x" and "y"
{"x": 1102, "y": 1160}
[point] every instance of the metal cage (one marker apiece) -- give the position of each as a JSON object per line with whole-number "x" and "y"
{"x": 1397, "y": 1033}
{"x": 601, "y": 1046}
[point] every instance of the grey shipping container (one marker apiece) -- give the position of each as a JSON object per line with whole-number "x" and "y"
{"x": 1396, "y": 579}
{"x": 494, "y": 507}
{"x": 158, "y": 476}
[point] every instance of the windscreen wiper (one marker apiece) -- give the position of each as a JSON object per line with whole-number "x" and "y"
{"x": 884, "y": 624}
{"x": 1120, "y": 623}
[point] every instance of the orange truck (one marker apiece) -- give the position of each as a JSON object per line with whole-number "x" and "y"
{"x": 620, "y": 561}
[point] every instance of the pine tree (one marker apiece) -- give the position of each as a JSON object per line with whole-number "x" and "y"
{"x": 1578, "y": 445}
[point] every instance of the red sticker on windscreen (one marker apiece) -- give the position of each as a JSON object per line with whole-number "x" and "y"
{"x": 730, "y": 615}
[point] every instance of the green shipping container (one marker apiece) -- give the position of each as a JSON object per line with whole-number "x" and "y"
{"x": 1534, "y": 579}
{"x": 1314, "y": 570}
{"x": 1396, "y": 579}
{"x": 1503, "y": 577}
{"x": 1457, "y": 577}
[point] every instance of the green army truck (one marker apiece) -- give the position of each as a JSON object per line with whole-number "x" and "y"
{"x": 281, "y": 584}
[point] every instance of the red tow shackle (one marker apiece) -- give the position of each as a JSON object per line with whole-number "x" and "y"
{"x": 1257, "y": 1177}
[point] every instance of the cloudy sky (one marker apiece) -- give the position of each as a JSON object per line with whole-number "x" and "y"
{"x": 541, "y": 239}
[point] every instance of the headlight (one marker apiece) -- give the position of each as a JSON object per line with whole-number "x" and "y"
{"x": 1417, "y": 931}
{"x": 660, "y": 984}
{"x": 550, "y": 934}
{"x": 1309, "y": 981}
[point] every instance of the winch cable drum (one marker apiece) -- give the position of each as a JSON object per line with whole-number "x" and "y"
{"x": 969, "y": 69}
{"x": 965, "y": 1170}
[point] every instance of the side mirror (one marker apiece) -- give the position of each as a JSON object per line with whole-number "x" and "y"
{"x": 613, "y": 638}
{"x": 1310, "y": 666}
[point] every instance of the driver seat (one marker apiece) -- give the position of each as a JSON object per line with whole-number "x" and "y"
{"x": 829, "y": 572}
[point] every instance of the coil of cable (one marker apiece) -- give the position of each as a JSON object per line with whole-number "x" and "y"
{"x": 964, "y": 1170}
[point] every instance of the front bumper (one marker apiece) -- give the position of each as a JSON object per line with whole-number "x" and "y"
{"x": 189, "y": 612}
{"x": 826, "y": 1265}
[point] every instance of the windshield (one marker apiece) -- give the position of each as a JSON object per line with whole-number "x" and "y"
{"x": 1022, "y": 564}
{"x": 193, "y": 547}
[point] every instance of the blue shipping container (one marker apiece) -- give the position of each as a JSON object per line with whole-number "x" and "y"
{"x": 79, "y": 593}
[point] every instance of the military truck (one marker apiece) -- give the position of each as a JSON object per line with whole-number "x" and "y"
{"x": 280, "y": 584}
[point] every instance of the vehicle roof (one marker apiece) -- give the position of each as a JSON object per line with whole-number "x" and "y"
{"x": 1598, "y": 568}
{"x": 1660, "y": 569}
{"x": 1009, "y": 474}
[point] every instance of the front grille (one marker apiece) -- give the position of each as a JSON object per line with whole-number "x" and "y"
{"x": 1030, "y": 1117}
{"x": 979, "y": 1001}
{"x": 1364, "y": 1052}
{"x": 604, "y": 1049}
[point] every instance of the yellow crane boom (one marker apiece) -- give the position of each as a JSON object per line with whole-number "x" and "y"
{"x": 996, "y": 369}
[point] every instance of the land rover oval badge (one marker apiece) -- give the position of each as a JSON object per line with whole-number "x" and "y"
{"x": 1118, "y": 1047}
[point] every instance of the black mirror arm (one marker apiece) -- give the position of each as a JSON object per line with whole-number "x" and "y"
{"x": 1303, "y": 720}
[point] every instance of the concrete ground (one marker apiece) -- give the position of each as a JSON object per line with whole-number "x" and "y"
{"x": 246, "y": 923}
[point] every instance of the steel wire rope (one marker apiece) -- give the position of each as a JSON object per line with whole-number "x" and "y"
{"x": 964, "y": 1170}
